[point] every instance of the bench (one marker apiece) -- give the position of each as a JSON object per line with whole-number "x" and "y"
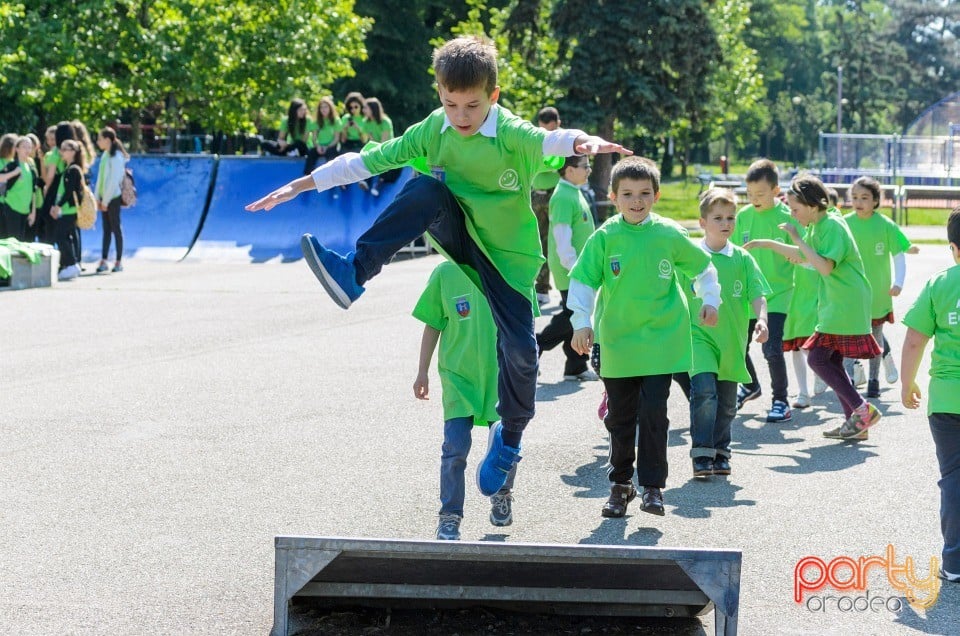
{"x": 588, "y": 580}
{"x": 921, "y": 196}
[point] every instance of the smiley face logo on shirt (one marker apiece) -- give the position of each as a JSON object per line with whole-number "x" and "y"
{"x": 737, "y": 289}
{"x": 510, "y": 180}
{"x": 665, "y": 268}
{"x": 878, "y": 249}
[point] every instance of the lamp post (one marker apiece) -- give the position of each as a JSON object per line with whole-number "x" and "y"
{"x": 839, "y": 117}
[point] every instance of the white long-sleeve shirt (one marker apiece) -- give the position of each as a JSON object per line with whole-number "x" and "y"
{"x": 109, "y": 176}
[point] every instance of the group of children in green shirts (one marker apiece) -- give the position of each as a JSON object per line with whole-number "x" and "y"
{"x": 656, "y": 303}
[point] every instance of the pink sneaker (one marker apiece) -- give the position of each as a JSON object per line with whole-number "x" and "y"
{"x": 602, "y": 409}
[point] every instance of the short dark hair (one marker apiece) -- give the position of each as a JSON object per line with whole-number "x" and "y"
{"x": 548, "y": 114}
{"x": 466, "y": 63}
{"x": 571, "y": 162}
{"x": 636, "y": 168}
{"x": 833, "y": 196}
{"x": 763, "y": 170}
{"x": 868, "y": 183}
{"x": 716, "y": 196}
{"x": 953, "y": 227}
{"x": 809, "y": 190}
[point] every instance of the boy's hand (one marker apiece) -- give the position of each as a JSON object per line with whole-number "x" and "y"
{"x": 760, "y": 333}
{"x": 910, "y": 395}
{"x": 278, "y": 196}
{"x": 421, "y": 387}
{"x": 790, "y": 229}
{"x": 708, "y": 316}
{"x": 914, "y": 249}
{"x": 593, "y": 145}
{"x": 895, "y": 291}
{"x": 755, "y": 244}
{"x": 582, "y": 341}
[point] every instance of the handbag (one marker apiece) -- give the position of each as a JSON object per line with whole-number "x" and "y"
{"x": 128, "y": 189}
{"x": 86, "y": 209}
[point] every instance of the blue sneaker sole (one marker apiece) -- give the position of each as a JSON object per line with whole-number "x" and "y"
{"x": 332, "y": 287}
{"x": 490, "y": 437}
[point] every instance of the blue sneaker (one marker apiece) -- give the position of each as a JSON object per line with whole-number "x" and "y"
{"x": 500, "y": 458}
{"x": 336, "y": 273}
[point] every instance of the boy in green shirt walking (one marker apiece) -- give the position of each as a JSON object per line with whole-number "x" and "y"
{"x": 476, "y": 209}
{"x": 936, "y": 314}
{"x": 455, "y": 313}
{"x": 762, "y": 220}
{"x": 717, "y": 365}
{"x": 644, "y": 329}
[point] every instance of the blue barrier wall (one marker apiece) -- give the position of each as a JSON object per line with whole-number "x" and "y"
{"x": 336, "y": 217}
{"x": 171, "y": 196}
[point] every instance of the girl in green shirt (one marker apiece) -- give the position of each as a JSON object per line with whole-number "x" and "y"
{"x": 293, "y": 135}
{"x": 379, "y": 128}
{"x": 324, "y": 135}
{"x": 64, "y": 210}
{"x": 843, "y": 299}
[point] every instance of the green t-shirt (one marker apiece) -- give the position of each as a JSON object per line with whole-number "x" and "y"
{"x": 376, "y": 130}
{"x": 52, "y": 157}
{"x": 843, "y": 297}
{"x": 567, "y": 207}
{"x": 546, "y": 180}
{"x": 490, "y": 177}
{"x": 936, "y": 314}
{"x": 20, "y": 195}
{"x": 308, "y": 126}
{"x": 755, "y": 224}
{"x": 467, "y": 358}
{"x": 68, "y": 208}
{"x": 878, "y": 238}
{"x": 802, "y": 315}
{"x": 327, "y": 133}
{"x": 643, "y": 307}
{"x": 720, "y": 349}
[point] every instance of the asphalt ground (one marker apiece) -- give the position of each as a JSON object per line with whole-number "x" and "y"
{"x": 159, "y": 427}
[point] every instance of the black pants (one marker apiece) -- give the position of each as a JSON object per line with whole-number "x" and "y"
{"x": 273, "y": 148}
{"x": 67, "y": 240}
{"x": 46, "y": 224}
{"x": 112, "y": 227}
{"x": 559, "y": 331}
{"x": 773, "y": 352}
{"x": 638, "y": 402}
{"x": 427, "y": 205}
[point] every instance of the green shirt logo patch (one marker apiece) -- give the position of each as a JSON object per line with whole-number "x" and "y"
{"x": 510, "y": 180}
{"x": 665, "y": 268}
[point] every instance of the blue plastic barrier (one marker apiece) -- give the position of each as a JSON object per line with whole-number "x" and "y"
{"x": 261, "y": 236}
{"x": 171, "y": 196}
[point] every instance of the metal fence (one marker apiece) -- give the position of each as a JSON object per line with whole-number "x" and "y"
{"x": 891, "y": 159}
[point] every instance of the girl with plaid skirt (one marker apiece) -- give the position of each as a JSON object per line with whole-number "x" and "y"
{"x": 843, "y": 327}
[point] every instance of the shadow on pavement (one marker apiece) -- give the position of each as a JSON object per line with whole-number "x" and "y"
{"x": 614, "y": 531}
{"x": 695, "y": 498}
{"x": 590, "y": 478}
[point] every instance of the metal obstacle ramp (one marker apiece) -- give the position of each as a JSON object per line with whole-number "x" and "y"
{"x": 594, "y": 580}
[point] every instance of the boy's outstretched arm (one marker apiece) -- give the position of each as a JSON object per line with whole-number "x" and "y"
{"x": 428, "y": 344}
{"x": 593, "y": 145}
{"x": 345, "y": 169}
{"x": 913, "y": 346}
{"x": 282, "y": 194}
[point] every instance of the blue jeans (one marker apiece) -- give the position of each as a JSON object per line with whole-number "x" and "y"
{"x": 453, "y": 462}
{"x": 945, "y": 428}
{"x": 713, "y": 405}
{"x": 427, "y": 205}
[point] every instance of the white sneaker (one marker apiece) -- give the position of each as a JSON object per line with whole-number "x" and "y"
{"x": 802, "y": 401}
{"x": 890, "y": 368}
{"x": 69, "y": 273}
{"x": 586, "y": 376}
{"x": 543, "y": 299}
{"x": 819, "y": 386}
{"x": 859, "y": 377}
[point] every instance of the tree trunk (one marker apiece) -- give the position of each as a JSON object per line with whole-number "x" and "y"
{"x": 135, "y": 132}
{"x": 602, "y": 165}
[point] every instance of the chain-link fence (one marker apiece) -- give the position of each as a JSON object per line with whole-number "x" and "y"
{"x": 933, "y": 160}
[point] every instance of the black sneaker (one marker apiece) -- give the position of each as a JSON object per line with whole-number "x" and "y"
{"x": 501, "y": 508}
{"x": 949, "y": 577}
{"x": 721, "y": 466}
{"x": 620, "y": 496}
{"x": 652, "y": 501}
{"x": 779, "y": 412}
{"x": 873, "y": 388}
{"x": 702, "y": 466}
{"x": 745, "y": 394}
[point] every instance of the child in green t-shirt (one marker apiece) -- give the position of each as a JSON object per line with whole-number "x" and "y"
{"x": 878, "y": 239}
{"x": 455, "y": 313}
{"x": 475, "y": 208}
{"x": 762, "y": 219}
{"x": 295, "y": 135}
{"x": 717, "y": 365}
{"x": 632, "y": 258}
{"x": 324, "y": 134}
{"x": 843, "y": 299}
{"x": 571, "y": 224}
{"x": 936, "y": 314}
